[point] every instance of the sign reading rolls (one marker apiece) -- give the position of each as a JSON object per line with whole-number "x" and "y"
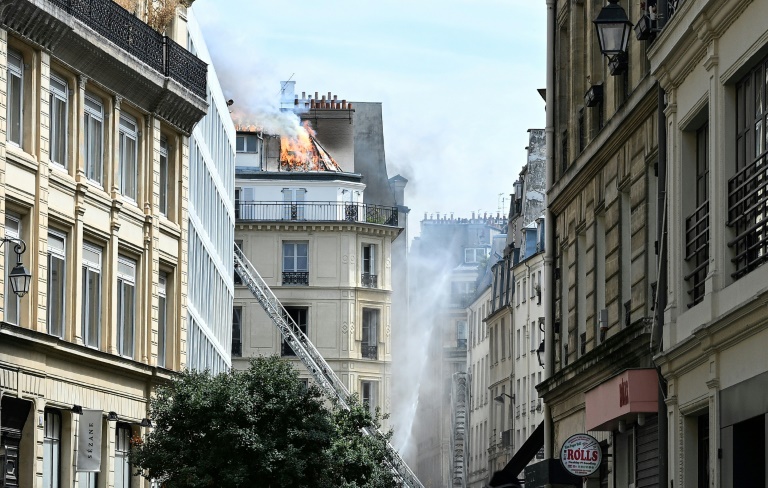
{"x": 89, "y": 441}
{"x": 581, "y": 455}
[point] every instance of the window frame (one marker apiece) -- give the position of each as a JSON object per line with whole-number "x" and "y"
{"x": 369, "y": 333}
{"x": 12, "y": 301}
{"x": 162, "y": 319}
{"x": 52, "y": 447}
{"x": 93, "y": 164}
{"x": 123, "y": 433}
{"x": 164, "y": 176}
{"x": 369, "y": 389}
{"x": 295, "y": 256}
{"x": 58, "y": 329}
{"x": 125, "y": 280}
{"x": 58, "y": 98}
{"x": 128, "y": 167}
{"x": 15, "y": 71}
{"x": 237, "y": 331}
{"x": 86, "y": 320}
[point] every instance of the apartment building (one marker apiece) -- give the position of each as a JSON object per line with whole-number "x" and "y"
{"x": 94, "y": 163}
{"x": 446, "y": 260}
{"x": 710, "y": 61}
{"x": 211, "y": 224}
{"x": 321, "y": 232}
{"x": 478, "y": 360}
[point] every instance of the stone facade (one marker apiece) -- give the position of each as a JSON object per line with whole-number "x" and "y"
{"x": 89, "y": 132}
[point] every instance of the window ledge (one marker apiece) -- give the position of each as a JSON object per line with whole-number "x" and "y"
{"x": 170, "y": 228}
{"x": 20, "y": 156}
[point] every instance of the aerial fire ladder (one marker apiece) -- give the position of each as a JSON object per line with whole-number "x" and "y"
{"x": 309, "y": 355}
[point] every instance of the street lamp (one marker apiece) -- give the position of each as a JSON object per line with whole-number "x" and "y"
{"x": 500, "y": 398}
{"x": 613, "y": 28}
{"x": 540, "y": 354}
{"x": 19, "y": 276}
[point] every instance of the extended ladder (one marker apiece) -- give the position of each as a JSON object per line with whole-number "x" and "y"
{"x": 308, "y": 354}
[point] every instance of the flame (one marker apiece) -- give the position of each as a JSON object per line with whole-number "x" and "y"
{"x": 297, "y": 153}
{"x": 304, "y": 153}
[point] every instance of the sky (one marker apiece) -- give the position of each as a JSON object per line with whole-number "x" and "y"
{"x": 457, "y": 79}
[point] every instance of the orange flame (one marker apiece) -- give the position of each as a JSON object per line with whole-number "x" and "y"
{"x": 299, "y": 153}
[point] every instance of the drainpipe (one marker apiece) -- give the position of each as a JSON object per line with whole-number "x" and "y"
{"x": 661, "y": 285}
{"x": 549, "y": 227}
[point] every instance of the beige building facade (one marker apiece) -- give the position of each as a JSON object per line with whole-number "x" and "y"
{"x": 93, "y": 177}
{"x": 710, "y": 60}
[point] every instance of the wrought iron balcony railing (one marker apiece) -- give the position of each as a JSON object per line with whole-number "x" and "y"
{"x": 368, "y": 280}
{"x": 134, "y": 36}
{"x": 369, "y": 352}
{"x": 316, "y": 212}
{"x": 697, "y": 251}
{"x": 293, "y": 278}
{"x": 748, "y": 216}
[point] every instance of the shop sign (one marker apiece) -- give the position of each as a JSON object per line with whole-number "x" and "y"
{"x": 581, "y": 455}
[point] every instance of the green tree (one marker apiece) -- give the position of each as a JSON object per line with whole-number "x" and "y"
{"x": 258, "y": 427}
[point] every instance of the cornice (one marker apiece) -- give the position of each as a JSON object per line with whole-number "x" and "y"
{"x": 361, "y": 228}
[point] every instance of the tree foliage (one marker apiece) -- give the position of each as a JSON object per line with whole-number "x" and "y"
{"x": 258, "y": 427}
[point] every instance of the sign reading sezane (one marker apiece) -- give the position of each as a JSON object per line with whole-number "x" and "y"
{"x": 581, "y": 455}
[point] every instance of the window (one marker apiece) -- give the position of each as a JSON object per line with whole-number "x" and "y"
{"x": 126, "y": 305}
{"x": 52, "y": 450}
{"x": 474, "y": 255}
{"x": 369, "y": 277}
{"x": 59, "y": 97}
{"x": 164, "y": 188}
{"x": 239, "y": 243}
{"x": 91, "y": 316}
{"x": 122, "y": 450}
{"x": 15, "y": 110}
{"x": 522, "y": 340}
{"x": 525, "y": 288}
{"x": 294, "y": 203}
{"x": 250, "y": 143}
{"x": 697, "y": 223}
{"x": 461, "y": 334}
{"x": 299, "y": 316}
{"x": 370, "y": 342}
{"x": 87, "y": 480}
{"x": 56, "y": 283}
{"x": 93, "y": 135}
{"x": 295, "y": 263}
{"x": 128, "y": 155}
{"x": 12, "y": 301}
{"x": 162, "y": 319}
{"x": 368, "y": 395}
{"x": 237, "y": 339}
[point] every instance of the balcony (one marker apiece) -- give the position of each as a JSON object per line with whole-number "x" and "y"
{"x": 316, "y": 212}
{"x": 295, "y": 278}
{"x": 126, "y": 55}
{"x": 369, "y": 352}
{"x": 697, "y": 251}
{"x": 368, "y": 280}
{"x": 748, "y": 216}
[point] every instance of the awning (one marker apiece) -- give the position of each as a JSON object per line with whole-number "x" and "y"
{"x": 510, "y": 474}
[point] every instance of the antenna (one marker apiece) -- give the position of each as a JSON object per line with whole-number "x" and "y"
{"x": 502, "y": 202}
{"x": 282, "y": 87}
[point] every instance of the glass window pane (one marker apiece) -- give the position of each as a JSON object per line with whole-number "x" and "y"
{"x": 14, "y": 108}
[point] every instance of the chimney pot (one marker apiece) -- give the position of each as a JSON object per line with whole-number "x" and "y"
{"x": 335, "y": 97}
{"x": 329, "y": 95}
{"x": 303, "y": 95}
{"x": 296, "y": 101}
{"x": 344, "y": 104}
{"x": 323, "y": 97}
{"x": 316, "y": 97}
{"x": 349, "y": 105}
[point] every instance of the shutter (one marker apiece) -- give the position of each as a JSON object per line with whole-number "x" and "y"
{"x": 647, "y": 453}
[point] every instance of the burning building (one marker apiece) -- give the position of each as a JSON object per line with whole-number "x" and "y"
{"x": 324, "y": 225}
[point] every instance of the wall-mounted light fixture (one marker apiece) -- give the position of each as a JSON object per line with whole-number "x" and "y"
{"x": 644, "y": 28}
{"x": 146, "y": 423}
{"x": 540, "y": 354}
{"x": 613, "y": 28}
{"x": 77, "y": 409}
{"x": 19, "y": 276}
{"x": 500, "y": 398}
{"x": 112, "y": 417}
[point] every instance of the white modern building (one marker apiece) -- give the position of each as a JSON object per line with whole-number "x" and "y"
{"x": 211, "y": 225}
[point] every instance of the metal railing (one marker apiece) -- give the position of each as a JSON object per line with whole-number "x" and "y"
{"x": 369, "y": 352}
{"x": 748, "y": 216}
{"x": 697, "y": 251}
{"x": 317, "y": 212}
{"x": 135, "y": 37}
{"x": 296, "y": 278}
{"x": 368, "y": 280}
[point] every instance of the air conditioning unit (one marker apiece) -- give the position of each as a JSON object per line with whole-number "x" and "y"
{"x": 506, "y": 438}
